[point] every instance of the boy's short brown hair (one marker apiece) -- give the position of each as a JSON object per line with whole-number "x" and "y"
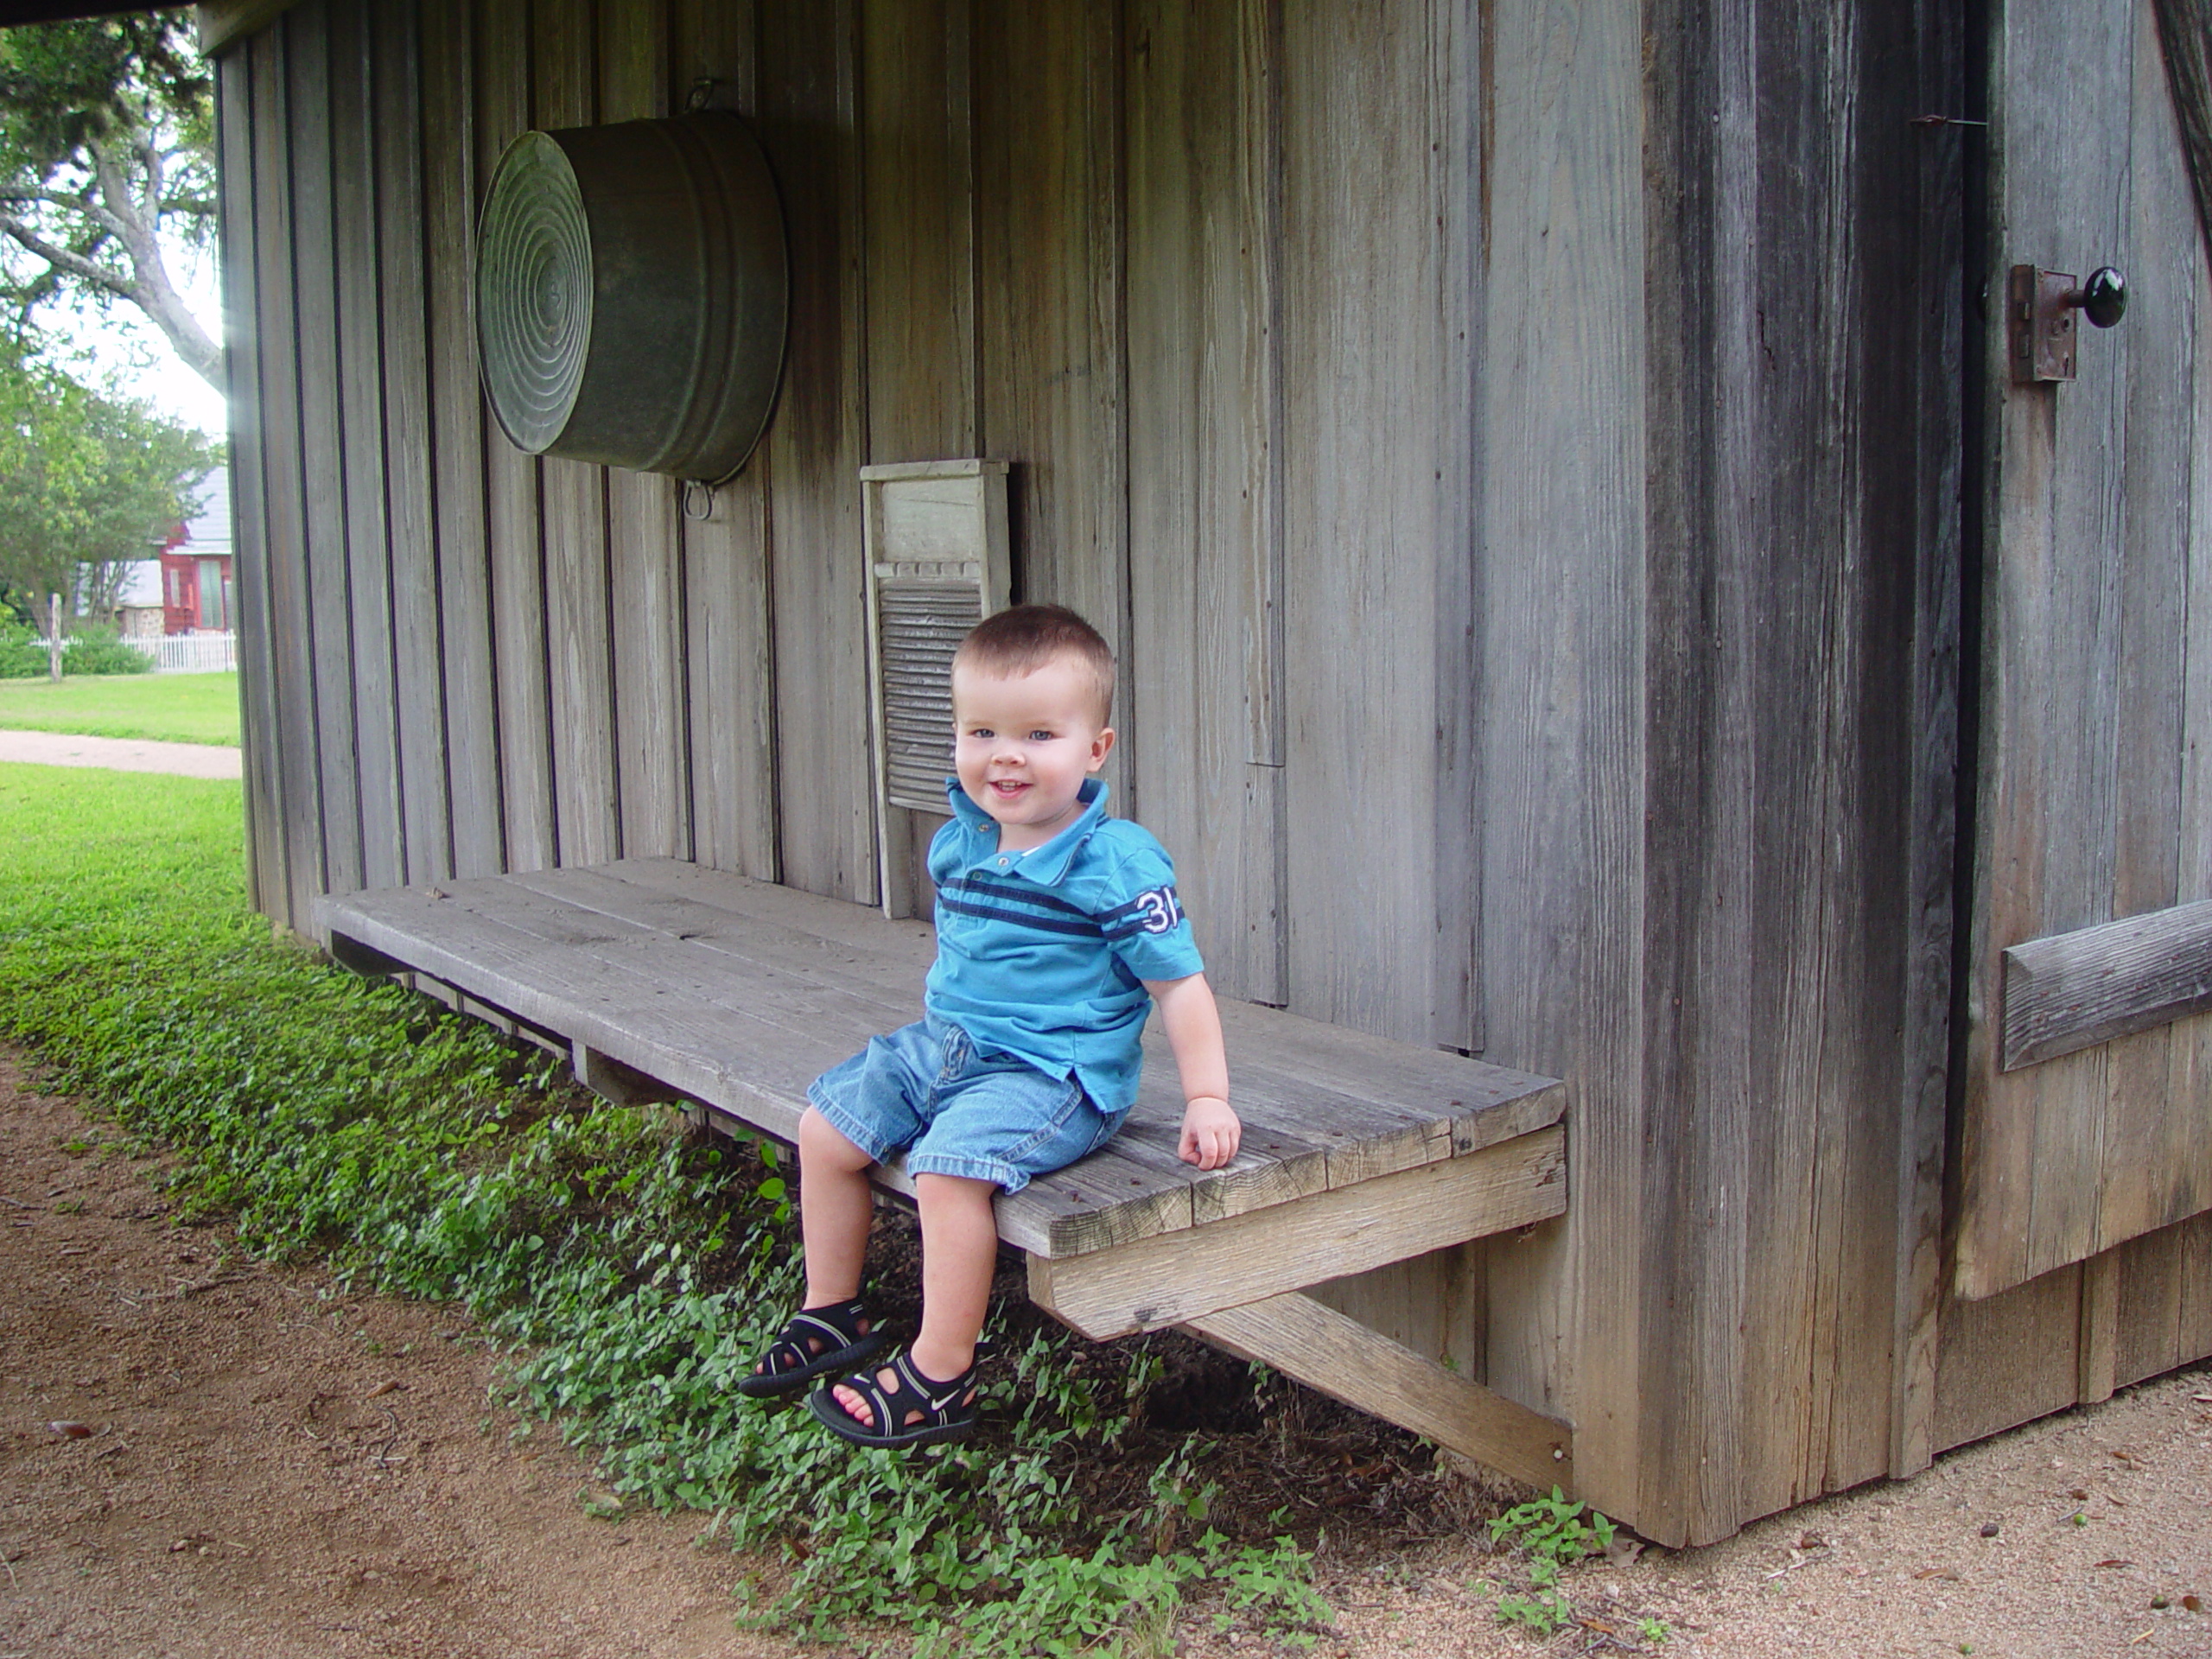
{"x": 1022, "y": 640}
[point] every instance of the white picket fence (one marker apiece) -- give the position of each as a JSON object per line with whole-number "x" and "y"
{"x": 191, "y": 653}
{"x": 185, "y": 653}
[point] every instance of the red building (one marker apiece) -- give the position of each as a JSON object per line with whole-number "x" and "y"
{"x": 198, "y": 595}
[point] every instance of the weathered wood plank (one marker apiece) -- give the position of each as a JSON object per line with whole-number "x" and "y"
{"x": 224, "y": 23}
{"x": 729, "y": 644}
{"x": 1046, "y": 92}
{"x": 644, "y": 543}
{"x": 741, "y": 1011}
{"x": 624, "y": 1086}
{"x": 2086, "y": 733}
{"x": 512, "y": 524}
{"x": 267, "y": 884}
{"x": 1563, "y": 125}
{"x": 2077, "y": 989}
{"x": 360, "y": 479}
{"x": 346, "y": 777}
{"x": 809, "y": 124}
{"x": 1205, "y": 544}
{"x": 2147, "y": 1137}
{"x": 1161, "y": 1281}
{"x": 1304, "y": 1135}
{"x": 292, "y": 663}
{"x": 1931, "y": 896}
{"x": 2008, "y": 1358}
{"x": 921, "y": 363}
{"x": 918, "y": 172}
{"x": 447, "y": 65}
{"x": 1360, "y": 1085}
{"x": 587, "y": 782}
{"x": 1363, "y": 439}
{"x": 1323, "y": 1349}
{"x": 395, "y": 76}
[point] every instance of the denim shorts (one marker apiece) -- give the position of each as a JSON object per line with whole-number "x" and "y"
{"x": 957, "y": 1110}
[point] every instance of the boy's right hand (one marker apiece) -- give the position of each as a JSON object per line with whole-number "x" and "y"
{"x": 1210, "y": 1134}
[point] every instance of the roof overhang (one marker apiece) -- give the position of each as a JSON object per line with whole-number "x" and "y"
{"x": 221, "y": 22}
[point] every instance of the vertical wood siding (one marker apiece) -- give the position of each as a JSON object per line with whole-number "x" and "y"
{"x": 1498, "y": 682}
{"x": 2098, "y": 718}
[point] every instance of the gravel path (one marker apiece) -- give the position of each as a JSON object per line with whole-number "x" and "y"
{"x": 121, "y": 754}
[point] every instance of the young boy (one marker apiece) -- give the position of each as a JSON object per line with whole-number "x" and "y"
{"x": 1058, "y": 929}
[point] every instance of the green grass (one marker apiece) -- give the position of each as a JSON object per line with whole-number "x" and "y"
{"x": 169, "y": 708}
{"x": 633, "y": 1273}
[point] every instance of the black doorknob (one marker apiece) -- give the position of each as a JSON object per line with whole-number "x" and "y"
{"x": 2102, "y": 299}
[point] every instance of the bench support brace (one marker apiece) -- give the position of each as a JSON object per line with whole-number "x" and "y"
{"x": 1345, "y": 1360}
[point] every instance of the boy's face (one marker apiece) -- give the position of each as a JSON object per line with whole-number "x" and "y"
{"x": 1023, "y": 745}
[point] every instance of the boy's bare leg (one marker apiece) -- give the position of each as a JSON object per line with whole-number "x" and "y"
{"x": 960, "y": 1251}
{"x": 835, "y": 1210}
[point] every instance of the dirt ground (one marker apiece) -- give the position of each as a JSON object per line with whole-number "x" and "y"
{"x": 200, "y": 1455}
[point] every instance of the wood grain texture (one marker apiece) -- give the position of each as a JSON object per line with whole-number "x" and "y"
{"x": 512, "y": 524}
{"x": 809, "y": 124}
{"x": 587, "y": 780}
{"x": 2008, "y": 1358}
{"x": 292, "y": 661}
{"x": 2088, "y": 728}
{"x": 918, "y": 169}
{"x": 1561, "y": 453}
{"x": 1791, "y": 835}
{"x": 729, "y": 638}
{"x": 1363, "y": 187}
{"x": 446, "y": 64}
{"x": 646, "y": 587}
{"x": 1937, "y": 352}
{"x": 1205, "y": 680}
{"x": 1322, "y": 1348}
{"x": 2085, "y": 987}
{"x": 1167, "y": 1280}
{"x": 418, "y": 659}
{"x": 267, "y": 883}
{"x": 1047, "y": 101}
{"x": 346, "y": 777}
{"x": 363, "y": 470}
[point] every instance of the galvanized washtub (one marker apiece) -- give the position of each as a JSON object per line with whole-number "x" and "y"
{"x": 633, "y": 293}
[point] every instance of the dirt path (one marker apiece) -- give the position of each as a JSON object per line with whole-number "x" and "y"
{"x": 274, "y": 1468}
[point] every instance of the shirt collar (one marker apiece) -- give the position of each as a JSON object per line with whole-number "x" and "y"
{"x": 1047, "y": 865}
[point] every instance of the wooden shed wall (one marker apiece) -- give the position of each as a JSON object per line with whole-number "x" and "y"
{"x": 1514, "y": 451}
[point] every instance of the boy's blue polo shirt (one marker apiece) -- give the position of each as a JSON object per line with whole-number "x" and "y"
{"x": 1039, "y": 953}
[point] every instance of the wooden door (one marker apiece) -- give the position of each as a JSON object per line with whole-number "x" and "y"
{"x": 2088, "y": 1067}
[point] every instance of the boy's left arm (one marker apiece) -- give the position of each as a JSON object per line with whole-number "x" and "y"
{"x": 1210, "y": 1131}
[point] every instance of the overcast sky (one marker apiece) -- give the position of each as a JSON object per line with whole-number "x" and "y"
{"x": 121, "y": 342}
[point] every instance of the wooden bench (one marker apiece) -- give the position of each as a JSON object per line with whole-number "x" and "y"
{"x": 664, "y": 981}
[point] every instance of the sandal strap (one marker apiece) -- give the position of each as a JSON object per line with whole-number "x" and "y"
{"x": 938, "y": 1403}
{"x": 837, "y": 1326}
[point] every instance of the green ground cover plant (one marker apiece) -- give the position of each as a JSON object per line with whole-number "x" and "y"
{"x": 166, "y": 708}
{"x": 634, "y": 1270}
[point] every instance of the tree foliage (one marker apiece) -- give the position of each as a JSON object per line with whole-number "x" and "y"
{"x": 88, "y": 484}
{"x": 107, "y": 152}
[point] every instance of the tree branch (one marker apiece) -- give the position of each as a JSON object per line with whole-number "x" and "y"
{"x": 62, "y": 259}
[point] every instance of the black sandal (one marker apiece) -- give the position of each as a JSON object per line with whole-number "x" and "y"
{"x": 948, "y": 1409}
{"x": 814, "y": 1341}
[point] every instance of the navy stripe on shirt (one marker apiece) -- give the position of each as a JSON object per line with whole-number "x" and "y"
{"x": 951, "y": 901}
{"x": 1025, "y": 895}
